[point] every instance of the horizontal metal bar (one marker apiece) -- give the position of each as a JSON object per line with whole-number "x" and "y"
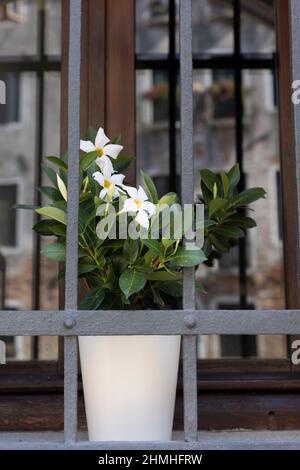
{"x": 149, "y": 322}
{"x": 207, "y": 61}
{"x": 214, "y": 444}
{"x": 17, "y": 64}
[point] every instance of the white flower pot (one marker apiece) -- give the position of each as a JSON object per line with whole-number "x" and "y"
{"x": 129, "y": 386}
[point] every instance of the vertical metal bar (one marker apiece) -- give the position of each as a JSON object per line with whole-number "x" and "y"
{"x": 187, "y": 190}
{"x": 172, "y": 97}
{"x": 294, "y": 21}
{"x": 40, "y": 77}
{"x": 238, "y": 82}
{"x": 71, "y": 359}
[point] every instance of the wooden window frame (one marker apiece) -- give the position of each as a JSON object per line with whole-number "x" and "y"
{"x": 253, "y": 394}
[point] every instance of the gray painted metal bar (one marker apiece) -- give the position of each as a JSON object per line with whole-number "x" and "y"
{"x": 295, "y": 74}
{"x": 70, "y": 343}
{"x": 150, "y": 322}
{"x": 189, "y": 343}
{"x": 208, "y": 441}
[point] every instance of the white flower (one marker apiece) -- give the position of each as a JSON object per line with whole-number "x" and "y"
{"x": 109, "y": 182}
{"x": 103, "y": 148}
{"x": 138, "y": 202}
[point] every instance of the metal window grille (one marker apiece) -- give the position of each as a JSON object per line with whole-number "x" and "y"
{"x": 187, "y": 322}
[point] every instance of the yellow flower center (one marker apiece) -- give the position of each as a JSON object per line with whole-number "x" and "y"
{"x": 100, "y": 152}
{"x": 107, "y": 184}
{"x": 138, "y": 203}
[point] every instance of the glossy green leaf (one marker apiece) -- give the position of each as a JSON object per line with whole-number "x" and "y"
{"x": 122, "y": 163}
{"x": 51, "y": 193}
{"x": 55, "y": 251}
{"x": 247, "y": 197}
{"x": 53, "y": 213}
{"x": 234, "y": 176}
{"x": 228, "y": 230}
{"x": 58, "y": 162}
{"x": 164, "y": 276}
{"x": 154, "y": 247}
{"x": 216, "y": 205}
{"x": 208, "y": 178}
{"x": 50, "y": 173}
{"x": 87, "y": 159}
{"x": 93, "y": 299}
{"x": 132, "y": 281}
{"x": 185, "y": 257}
{"x": 149, "y": 187}
{"x": 131, "y": 250}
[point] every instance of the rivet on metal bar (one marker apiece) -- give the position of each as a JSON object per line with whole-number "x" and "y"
{"x": 69, "y": 323}
{"x": 190, "y": 321}
{"x": 70, "y": 343}
{"x": 187, "y": 184}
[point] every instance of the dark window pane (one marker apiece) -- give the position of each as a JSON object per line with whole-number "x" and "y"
{"x": 10, "y": 111}
{"x": 8, "y": 198}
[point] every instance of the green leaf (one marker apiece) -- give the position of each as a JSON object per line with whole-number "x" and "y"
{"x": 154, "y": 247}
{"x": 50, "y": 192}
{"x": 93, "y": 299}
{"x": 164, "y": 276}
{"x": 59, "y": 230}
{"x": 150, "y": 188}
{"x": 50, "y": 173}
{"x": 53, "y": 213}
{"x": 169, "y": 199}
{"x": 216, "y": 205}
{"x": 131, "y": 250}
{"x": 58, "y": 162}
{"x": 85, "y": 268}
{"x": 44, "y": 227}
{"x": 209, "y": 178}
{"x": 228, "y": 230}
{"x": 122, "y": 163}
{"x": 188, "y": 258}
{"x": 87, "y": 159}
{"x": 172, "y": 288}
{"x": 62, "y": 187}
{"x": 234, "y": 176}
{"x": 132, "y": 281}
{"x": 243, "y": 222}
{"x": 247, "y": 197}
{"x": 93, "y": 185}
{"x": 221, "y": 244}
{"x": 55, "y": 251}
{"x": 225, "y": 183}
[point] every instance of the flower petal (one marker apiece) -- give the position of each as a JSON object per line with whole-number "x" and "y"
{"x": 142, "y": 218}
{"x": 113, "y": 150}
{"x": 129, "y": 206}
{"x": 99, "y": 178}
{"x": 103, "y": 193}
{"x": 105, "y": 165}
{"x": 87, "y": 146}
{"x": 141, "y": 194}
{"x": 149, "y": 207}
{"x": 131, "y": 191}
{"x": 117, "y": 179}
{"x": 101, "y": 139}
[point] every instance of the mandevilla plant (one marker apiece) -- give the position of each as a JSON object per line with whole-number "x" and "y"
{"x": 135, "y": 272}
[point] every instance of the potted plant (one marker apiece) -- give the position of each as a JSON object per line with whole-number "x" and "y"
{"x": 130, "y": 381}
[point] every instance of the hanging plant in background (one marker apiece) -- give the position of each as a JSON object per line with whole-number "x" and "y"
{"x": 135, "y": 273}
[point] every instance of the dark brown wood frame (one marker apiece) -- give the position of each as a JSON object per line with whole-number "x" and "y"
{"x": 252, "y": 394}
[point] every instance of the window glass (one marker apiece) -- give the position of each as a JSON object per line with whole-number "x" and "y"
{"x": 18, "y": 27}
{"x": 257, "y": 26}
